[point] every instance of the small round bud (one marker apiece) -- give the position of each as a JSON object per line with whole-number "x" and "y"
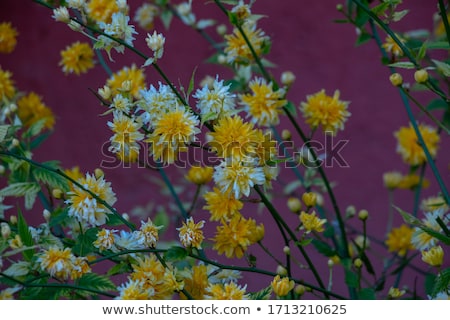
{"x": 286, "y": 134}
{"x": 359, "y": 240}
{"x": 339, "y": 7}
{"x": 13, "y": 219}
{"x": 281, "y": 270}
{"x": 396, "y": 79}
{"x": 330, "y": 263}
{"x": 222, "y": 59}
{"x": 363, "y": 215}
{"x": 300, "y": 289}
{"x": 99, "y": 173}
{"x": 309, "y": 199}
{"x": 294, "y": 204}
{"x": 358, "y": 263}
{"x": 5, "y": 230}
{"x": 2, "y": 169}
{"x": 15, "y": 142}
{"x": 221, "y": 29}
{"x": 319, "y": 200}
{"x": 421, "y": 76}
{"x": 126, "y": 216}
{"x": 57, "y": 193}
{"x": 47, "y": 214}
{"x": 287, "y": 78}
{"x": 350, "y": 211}
{"x": 13, "y": 107}
{"x": 287, "y": 250}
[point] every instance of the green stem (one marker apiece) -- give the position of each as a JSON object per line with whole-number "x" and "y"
{"x": 62, "y": 174}
{"x": 418, "y": 190}
{"x": 443, "y": 13}
{"x": 194, "y": 200}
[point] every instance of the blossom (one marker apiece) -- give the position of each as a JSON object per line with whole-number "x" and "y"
{"x": 422, "y": 240}
{"x": 105, "y": 239}
{"x": 8, "y": 37}
{"x": 8, "y": 293}
{"x": 157, "y": 102}
{"x": 156, "y": 43}
{"x": 84, "y": 207}
{"x": 395, "y": 293}
{"x": 150, "y": 232}
{"x": 434, "y": 256}
{"x": 326, "y": 111}
{"x": 76, "y": 4}
{"x": 130, "y": 240}
{"x": 61, "y": 14}
{"x": 392, "y": 179}
{"x": 133, "y": 74}
{"x": 228, "y": 291}
{"x": 434, "y": 203}
{"x": 77, "y": 58}
{"x": 409, "y": 148}
{"x": 145, "y": 15}
{"x": 200, "y": 175}
{"x": 282, "y": 285}
{"x": 195, "y": 281}
{"x": 237, "y": 178}
{"x": 232, "y": 238}
{"x": 172, "y": 133}
{"x": 124, "y": 142}
{"x": 391, "y": 46}
{"x": 102, "y": 10}
{"x": 119, "y": 29}
{"x": 80, "y": 267}
{"x": 7, "y": 89}
{"x": 31, "y": 109}
{"x": 221, "y": 205}
{"x": 132, "y": 290}
{"x": 399, "y": 240}
{"x": 191, "y": 234}
{"x": 232, "y": 137}
{"x": 310, "y": 222}
{"x": 263, "y": 104}
{"x": 215, "y": 101}
{"x": 57, "y": 262}
{"x": 237, "y": 49}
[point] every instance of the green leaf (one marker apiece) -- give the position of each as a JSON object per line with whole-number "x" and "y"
{"x": 58, "y": 217}
{"x": 84, "y": 243}
{"x": 175, "y": 253}
{"x": 35, "y": 128}
{"x": 444, "y": 45}
{"x": 363, "y": 38}
{"x": 323, "y": 248}
{"x": 304, "y": 242}
{"x": 166, "y": 18}
{"x": 407, "y": 217}
{"x": 291, "y": 108}
{"x": 161, "y": 219}
{"x": 351, "y": 279}
{"x": 422, "y": 51}
{"x": 19, "y": 189}
{"x": 18, "y": 269}
{"x": 191, "y": 83}
{"x": 366, "y": 294}
{"x": 39, "y": 139}
{"x": 3, "y": 131}
{"x": 380, "y": 9}
{"x": 52, "y": 179}
{"x": 263, "y": 294}
{"x": 96, "y": 282}
{"x": 361, "y": 17}
{"x": 402, "y": 65}
{"x": 442, "y": 67}
{"x": 429, "y": 283}
{"x": 25, "y": 236}
{"x": 399, "y": 15}
{"x": 437, "y": 104}
{"x": 119, "y": 268}
{"x": 442, "y": 282}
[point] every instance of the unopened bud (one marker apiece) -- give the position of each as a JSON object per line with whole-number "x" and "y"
{"x": 13, "y": 107}
{"x": 309, "y": 199}
{"x": 358, "y": 263}
{"x": 363, "y": 215}
{"x": 396, "y": 79}
{"x": 222, "y": 59}
{"x": 15, "y": 142}
{"x": 2, "y": 169}
{"x": 13, "y": 219}
{"x": 126, "y": 216}
{"x": 75, "y": 26}
{"x": 300, "y": 289}
{"x": 350, "y": 211}
{"x": 5, "y": 230}
{"x": 57, "y": 193}
{"x": 99, "y": 173}
{"x": 221, "y": 29}
{"x": 47, "y": 214}
{"x": 281, "y": 270}
{"x": 105, "y": 92}
{"x": 421, "y": 76}
{"x": 294, "y": 204}
{"x": 287, "y": 78}
{"x": 286, "y": 134}
{"x": 339, "y": 7}
{"x": 287, "y": 250}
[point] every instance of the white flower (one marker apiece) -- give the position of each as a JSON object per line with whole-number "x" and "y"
{"x": 156, "y": 43}
{"x": 76, "y": 4}
{"x": 157, "y": 102}
{"x": 238, "y": 177}
{"x": 118, "y": 28}
{"x": 121, "y": 103}
{"x": 130, "y": 240}
{"x": 215, "y": 101}
{"x": 184, "y": 10}
{"x": 61, "y": 14}
{"x": 422, "y": 240}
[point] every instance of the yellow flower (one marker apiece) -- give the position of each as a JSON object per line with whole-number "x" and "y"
{"x": 395, "y": 293}
{"x": 310, "y": 222}
{"x": 8, "y": 35}
{"x": 232, "y": 137}
{"x": 221, "y": 205}
{"x": 434, "y": 257}
{"x": 132, "y": 290}
{"x": 409, "y": 148}
{"x": 31, "y": 109}
{"x": 282, "y": 286}
{"x": 309, "y": 199}
{"x": 191, "y": 234}
{"x": 228, "y": 291}
{"x": 392, "y": 179}
{"x": 263, "y": 104}
{"x": 399, "y": 240}
{"x": 57, "y": 262}
{"x": 195, "y": 281}
{"x": 157, "y": 280}
{"x": 105, "y": 239}
{"x": 84, "y": 207}
{"x": 145, "y": 15}
{"x": 200, "y": 175}
{"x": 392, "y": 47}
{"x": 234, "y": 237}
{"x": 16, "y": 242}
{"x": 173, "y": 132}
{"x": 411, "y": 181}
{"x": 326, "y": 111}
{"x": 102, "y": 10}
{"x": 237, "y": 49}
{"x": 7, "y": 89}
{"x": 133, "y": 74}
{"x": 77, "y": 58}
{"x": 80, "y": 267}
{"x": 150, "y": 232}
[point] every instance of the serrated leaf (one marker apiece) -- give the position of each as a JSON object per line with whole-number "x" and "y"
{"x": 442, "y": 282}
{"x": 119, "y": 268}
{"x": 19, "y": 189}
{"x": 30, "y": 198}
{"x": 402, "y": 65}
{"x": 52, "y": 179}
{"x": 18, "y": 269}
{"x": 443, "y": 67}
{"x": 323, "y": 248}
{"x": 96, "y": 282}
{"x": 175, "y": 253}
{"x": 3, "y": 131}
{"x": 84, "y": 243}
{"x": 25, "y": 236}
{"x": 35, "y": 128}
{"x": 263, "y": 294}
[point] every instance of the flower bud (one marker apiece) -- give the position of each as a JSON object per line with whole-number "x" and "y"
{"x": 221, "y": 29}
{"x": 105, "y": 92}
{"x": 98, "y": 173}
{"x": 47, "y": 214}
{"x": 13, "y": 219}
{"x": 287, "y": 250}
{"x": 126, "y": 216}
{"x": 309, "y": 199}
{"x": 281, "y": 270}
{"x": 2, "y": 169}
{"x": 287, "y": 78}
{"x": 300, "y": 289}
{"x": 13, "y": 107}
{"x": 363, "y": 215}
{"x": 358, "y": 263}
{"x": 57, "y": 193}
{"x": 5, "y": 230}
{"x": 222, "y": 59}
{"x": 421, "y": 76}
{"x": 396, "y": 79}
{"x": 294, "y": 204}
{"x": 350, "y": 211}
{"x": 61, "y": 14}
{"x": 286, "y": 135}
{"x": 15, "y": 142}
